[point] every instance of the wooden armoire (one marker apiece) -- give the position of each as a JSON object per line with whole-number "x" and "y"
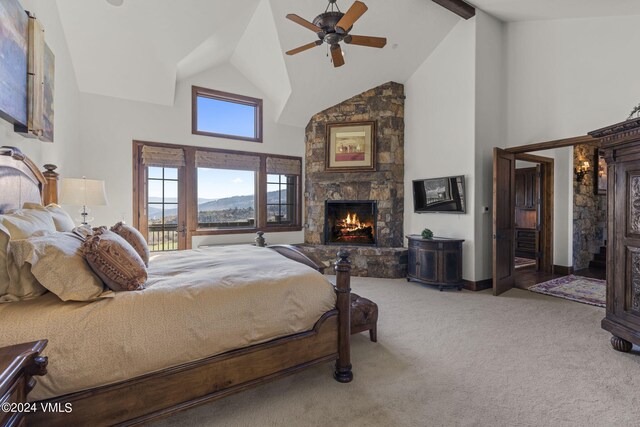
{"x": 621, "y": 143}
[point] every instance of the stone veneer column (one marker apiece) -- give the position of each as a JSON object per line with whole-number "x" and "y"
{"x": 385, "y": 105}
{"x": 589, "y": 210}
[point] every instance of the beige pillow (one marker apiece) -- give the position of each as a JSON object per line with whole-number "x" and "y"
{"x": 57, "y": 263}
{"x": 114, "y": 261}
{"x": 22, "y": 223}
{"x": 134, "y": 238}
{"x": 17, "y": 283}
{"x": 61, "y": 219}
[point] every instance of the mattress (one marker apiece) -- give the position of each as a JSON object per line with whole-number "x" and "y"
{"x": 197, "y": 303}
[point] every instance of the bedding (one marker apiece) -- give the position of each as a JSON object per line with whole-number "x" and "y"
{"x": 61, "y": 219}
{"x": 197, "y": 303}
{"x": 55, "y": 260}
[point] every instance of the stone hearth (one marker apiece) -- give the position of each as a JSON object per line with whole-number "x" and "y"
{"x": 384, "y": 105}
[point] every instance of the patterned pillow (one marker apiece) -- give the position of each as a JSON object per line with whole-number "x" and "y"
{"x": 134, "y": 238}
{"x": 114, "y": 261}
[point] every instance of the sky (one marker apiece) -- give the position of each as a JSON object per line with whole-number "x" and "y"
{"x": 219, "y": 117}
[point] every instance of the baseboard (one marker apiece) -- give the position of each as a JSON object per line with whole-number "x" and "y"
{"x": 479, "y": 285}
{"x": 561, "y": 269}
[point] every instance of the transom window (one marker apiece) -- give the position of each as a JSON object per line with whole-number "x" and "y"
{"x": 226, "y": 115}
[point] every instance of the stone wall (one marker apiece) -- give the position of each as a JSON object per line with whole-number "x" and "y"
{"x": 589, "y": 210}
{"x": 385, "y": 105}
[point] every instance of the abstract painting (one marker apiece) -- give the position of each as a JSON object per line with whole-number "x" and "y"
{"x": 49, "y": 75}
{"x": 14, "y": 31}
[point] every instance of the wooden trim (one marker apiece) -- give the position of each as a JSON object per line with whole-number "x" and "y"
{"x": 197, "y": 91}
{"x": 549, "y": 145}
{"x": 480, "y": 285}
{"x": 459, "y": 7}
{"x": 561, "y": 269}
{"x": 188, "y": 186}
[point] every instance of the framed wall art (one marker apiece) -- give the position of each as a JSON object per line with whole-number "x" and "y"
{"x": 351, "y": 147}
{"x": 14, "y": 45}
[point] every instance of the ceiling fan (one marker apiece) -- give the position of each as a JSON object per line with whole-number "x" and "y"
{"x": 333, "y": 27}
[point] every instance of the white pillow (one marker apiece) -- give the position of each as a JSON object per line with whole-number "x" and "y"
{"x": 23, "y": 223}
{"x": 61, "y": 218}
{"x": 17, "y": 283}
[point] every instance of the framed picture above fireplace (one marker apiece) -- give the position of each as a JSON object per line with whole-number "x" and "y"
{"x": 351, "y": 147}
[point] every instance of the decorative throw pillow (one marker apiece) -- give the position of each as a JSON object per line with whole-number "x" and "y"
{"x": 114, "y": 261}
{"x": 134, "y": 238}
{"x": 57, "y": 263}
{"x": 61, "y": 219}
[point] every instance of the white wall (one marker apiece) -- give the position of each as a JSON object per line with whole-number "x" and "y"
{"x": 440, "y": 133}
{"x": 109, "y": 125}
{"x": 566, "y": 78}
{"x": 64, "y": 150}
{"x": 490, "y": 130}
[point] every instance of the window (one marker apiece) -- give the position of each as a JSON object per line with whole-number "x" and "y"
{"x": 226, "y": 115}
{"x": 183, "y": 191}
{"x": 162, "y": 208}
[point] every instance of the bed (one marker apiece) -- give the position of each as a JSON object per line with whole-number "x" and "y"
{"x": 211, "y": 322}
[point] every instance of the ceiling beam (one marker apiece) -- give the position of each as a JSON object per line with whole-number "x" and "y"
{"x": 459, "y": 7}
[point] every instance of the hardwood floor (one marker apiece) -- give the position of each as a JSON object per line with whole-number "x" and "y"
{"x": 528, "y": 276}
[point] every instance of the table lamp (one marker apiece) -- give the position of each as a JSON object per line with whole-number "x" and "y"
{"x": 83, "y": 192}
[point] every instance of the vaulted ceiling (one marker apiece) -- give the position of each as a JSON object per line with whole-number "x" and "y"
{"x": 140, "y": 50}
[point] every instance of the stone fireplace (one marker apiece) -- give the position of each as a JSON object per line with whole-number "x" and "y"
{"x": 350, "y": 222}
{"x": 385, "y": 256}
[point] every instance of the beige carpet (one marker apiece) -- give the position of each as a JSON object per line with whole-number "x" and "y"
{"x": 454, "y": 359}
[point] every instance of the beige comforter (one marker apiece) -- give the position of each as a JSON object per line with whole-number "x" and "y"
{"x": 197, "y": 303}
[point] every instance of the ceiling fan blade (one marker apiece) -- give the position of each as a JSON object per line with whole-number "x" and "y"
{"x": 354, "y": 13}
{"x": 336, "y": 55}
{"x": 369, "y": 41}
{"x": 298, "y": 20}
{"x": 303, "y": 48}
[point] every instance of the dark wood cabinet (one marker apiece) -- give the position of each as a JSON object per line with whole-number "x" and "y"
{"x": 436, "y": 261}
{"x": 621, "y": 144}
{"x": 526, "y": 188}
{"x": 525, "y": 243}
{"x": 18, "y": 364}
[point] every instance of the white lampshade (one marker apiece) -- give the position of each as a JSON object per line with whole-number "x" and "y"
{"x": 82, "y": 192}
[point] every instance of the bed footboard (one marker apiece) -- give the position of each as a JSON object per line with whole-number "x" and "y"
{"x": 343, "y": 372}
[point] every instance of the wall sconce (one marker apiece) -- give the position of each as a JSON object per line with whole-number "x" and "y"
{"x": 582, "y": 170}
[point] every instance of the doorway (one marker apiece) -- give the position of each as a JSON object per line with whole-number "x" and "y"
{"x": 523, "y": 215}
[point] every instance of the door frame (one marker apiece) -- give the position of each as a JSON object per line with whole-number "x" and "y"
{"x": 546, "y": 202}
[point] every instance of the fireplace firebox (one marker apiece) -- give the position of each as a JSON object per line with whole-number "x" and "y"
{"x": 350, "y": 222}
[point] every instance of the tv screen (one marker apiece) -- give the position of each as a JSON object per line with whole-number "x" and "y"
{"x": 444, "y": 195}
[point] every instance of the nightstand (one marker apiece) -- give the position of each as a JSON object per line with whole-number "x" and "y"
{"x": 18, "y": 365}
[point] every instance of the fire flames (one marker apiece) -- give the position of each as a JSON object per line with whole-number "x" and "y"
{"x": 351, "y": 223}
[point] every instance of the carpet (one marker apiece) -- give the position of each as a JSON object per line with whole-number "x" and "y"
{"x": 465, "y": 359}
{"x": 575, "y": 288}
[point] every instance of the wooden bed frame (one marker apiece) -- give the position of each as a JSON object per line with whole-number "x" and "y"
{"x": 174, "y": 389}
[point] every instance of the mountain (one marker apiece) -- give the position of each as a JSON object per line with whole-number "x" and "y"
{"x": 239, "y": 202}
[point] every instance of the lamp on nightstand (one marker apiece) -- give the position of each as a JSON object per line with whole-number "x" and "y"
{"x": 83, "y": 192}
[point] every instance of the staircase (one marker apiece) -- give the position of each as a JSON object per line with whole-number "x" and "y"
{"x": 600, "y": 259}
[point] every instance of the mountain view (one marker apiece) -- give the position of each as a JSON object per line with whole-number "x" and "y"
{"x": 228, "y": 209}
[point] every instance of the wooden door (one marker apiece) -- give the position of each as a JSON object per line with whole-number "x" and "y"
{"x": 503, "y": 220}
{"x": 538, "y": 207}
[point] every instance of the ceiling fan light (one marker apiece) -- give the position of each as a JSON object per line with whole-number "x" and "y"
{"x": 116, "y": 3}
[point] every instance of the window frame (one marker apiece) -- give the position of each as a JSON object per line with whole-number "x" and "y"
{"x": 189, "y": 185}
{"x": 197, "y": 91}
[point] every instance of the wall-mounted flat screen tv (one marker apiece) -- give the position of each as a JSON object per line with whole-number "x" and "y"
{"x": 444, "y": 195}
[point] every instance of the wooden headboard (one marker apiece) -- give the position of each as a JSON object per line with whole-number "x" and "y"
{"x": 22, "y": 182}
